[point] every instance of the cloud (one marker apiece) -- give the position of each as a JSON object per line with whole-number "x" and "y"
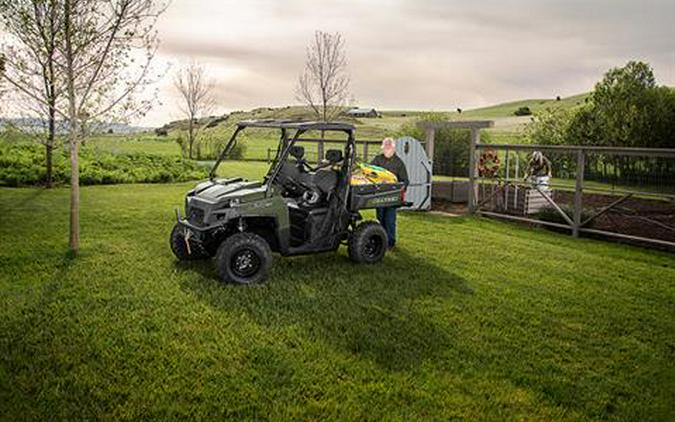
{"x": 418, "y": 53}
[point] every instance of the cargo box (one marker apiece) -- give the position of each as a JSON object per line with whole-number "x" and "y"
{"x": 376, "y": 195}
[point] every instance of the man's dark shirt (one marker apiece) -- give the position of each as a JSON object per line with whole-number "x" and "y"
{"x": 394, "y": 165}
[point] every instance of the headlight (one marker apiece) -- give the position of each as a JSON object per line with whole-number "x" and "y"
{"x": 234, "y": 202}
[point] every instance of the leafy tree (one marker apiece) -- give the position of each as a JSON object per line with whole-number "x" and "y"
{"x": 103, "y": 52}
{"x": 35, "y": 27}
{"x": 549, "y": 127}
{"x": 626, "y": 109}
{"x": 629, "y": 108}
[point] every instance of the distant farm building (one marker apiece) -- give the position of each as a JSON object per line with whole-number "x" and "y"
{"x": 362, "y": 112}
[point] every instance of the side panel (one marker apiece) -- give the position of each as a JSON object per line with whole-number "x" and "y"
{"x": 272, "y": 207}
{"x": 419, "y": 170}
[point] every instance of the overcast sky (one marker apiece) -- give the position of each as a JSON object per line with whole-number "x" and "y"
{"x": 415, "y": 54}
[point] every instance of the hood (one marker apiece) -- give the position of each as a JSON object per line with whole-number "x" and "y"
{"x": 226, "y": 189}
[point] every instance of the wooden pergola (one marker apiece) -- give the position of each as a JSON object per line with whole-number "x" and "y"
{"x": 474, "y": 126}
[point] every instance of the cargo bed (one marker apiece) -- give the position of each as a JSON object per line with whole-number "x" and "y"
{"x": 376, "y": 195}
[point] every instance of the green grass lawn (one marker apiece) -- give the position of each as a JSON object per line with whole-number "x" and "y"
{"x": 144, "y": 143}
{"x": 469, "y": 318}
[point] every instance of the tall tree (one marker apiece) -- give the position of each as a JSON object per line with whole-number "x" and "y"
{"x": 323, "y": 84}
{"x": 34, "y": 26}
{"x": 621, "y": 103}
{"x": 195, "y": 90}
{"x": 104, "y": 52}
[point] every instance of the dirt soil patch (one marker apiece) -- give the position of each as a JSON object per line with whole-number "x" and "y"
{"x": 448, "y": 207}
{"x": 650, "y": 218}
{"x": 643, "y": 217}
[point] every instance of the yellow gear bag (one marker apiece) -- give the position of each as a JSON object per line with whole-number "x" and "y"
{"x": 368, "y": 174}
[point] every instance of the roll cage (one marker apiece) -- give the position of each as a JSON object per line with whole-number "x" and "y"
{"x": 291, "y": 132}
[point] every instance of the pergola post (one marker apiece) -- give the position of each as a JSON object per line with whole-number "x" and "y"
{"x": 429, "y": 144}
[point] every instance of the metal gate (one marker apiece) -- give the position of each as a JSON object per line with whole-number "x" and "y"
{"x": 419, "y": 170}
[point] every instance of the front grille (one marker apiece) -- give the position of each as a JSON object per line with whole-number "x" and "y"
{"x": 196, "y": 216}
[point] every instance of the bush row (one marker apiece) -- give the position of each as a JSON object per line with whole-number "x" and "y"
{"x": 24, "y": 164}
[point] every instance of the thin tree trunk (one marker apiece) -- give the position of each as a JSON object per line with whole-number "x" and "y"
{"x": 49, "y": 147}
{"x": 191, "y": 138}
{"x": 48, "y": 164}
{"x": 74, "y": 241}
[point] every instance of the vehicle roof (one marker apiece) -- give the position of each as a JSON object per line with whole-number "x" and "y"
{"x": 297, "y": 125}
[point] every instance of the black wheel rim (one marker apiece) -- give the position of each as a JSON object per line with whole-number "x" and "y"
{"x": 373, "y": 247}
{"x": 245, "y": 263}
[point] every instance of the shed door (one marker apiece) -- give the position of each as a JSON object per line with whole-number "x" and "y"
{"x": 418, "y": 166}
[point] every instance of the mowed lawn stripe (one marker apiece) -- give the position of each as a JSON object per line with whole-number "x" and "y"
{"x": 469, "y": 318}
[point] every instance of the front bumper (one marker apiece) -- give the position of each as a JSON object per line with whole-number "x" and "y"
{"x": 195, "y": 228}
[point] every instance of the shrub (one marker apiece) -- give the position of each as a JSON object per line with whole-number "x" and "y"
{"x": 625, "y": 109}
{"x": 23, "y": 164}
{"x": 523, "y": 111}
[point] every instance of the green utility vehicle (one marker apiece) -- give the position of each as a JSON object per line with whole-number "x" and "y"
{"x": 296, "y": 209}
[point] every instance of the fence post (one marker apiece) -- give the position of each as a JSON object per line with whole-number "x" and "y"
{"x": 319, "y": 151}
{"x": 506, "y": 178}
{"x": 517, "y": 179}
{"x": 578, "y": 192}
{"x": 429, "y": 143}
{"x": 473, "y": 170}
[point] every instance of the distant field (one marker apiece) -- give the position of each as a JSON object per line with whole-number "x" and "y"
{"x": 508, "y": 127}
{"x": 535, "y": 105}
{"x": 148, "y": 143}
{"x": 260, "y": 143}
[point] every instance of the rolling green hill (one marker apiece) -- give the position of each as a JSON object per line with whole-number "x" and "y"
{"x": 217, "y": 129}
{"x": 258, "y": 144}
{"x": 535, "y": 105}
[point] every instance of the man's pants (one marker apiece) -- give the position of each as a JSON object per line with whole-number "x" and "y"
{"x": 387, "y": 217}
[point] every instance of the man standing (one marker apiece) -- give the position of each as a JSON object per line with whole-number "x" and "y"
{"x": 392, "y": 162}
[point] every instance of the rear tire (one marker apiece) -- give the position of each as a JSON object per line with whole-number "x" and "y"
{"x": 367, "y": 243}
{"x": 179, "y": 248}
{"x": 243, "y": 258}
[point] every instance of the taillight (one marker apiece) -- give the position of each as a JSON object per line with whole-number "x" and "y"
{"x": 403, "y": 195}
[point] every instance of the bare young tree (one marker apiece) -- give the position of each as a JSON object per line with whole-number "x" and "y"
{"x": 2, "y": 72}
{"x": 195, "y": 90}
{"x": 104, "y": 51}
{"x": 324, "y": 83}
{"x": 35, "y": 27}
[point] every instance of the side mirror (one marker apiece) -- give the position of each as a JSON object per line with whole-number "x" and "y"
{"x": 334, "y": 156}
{"x": 297, "y": 152}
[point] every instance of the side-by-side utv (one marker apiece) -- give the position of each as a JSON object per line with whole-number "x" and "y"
{"x": 296, "y": 209}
